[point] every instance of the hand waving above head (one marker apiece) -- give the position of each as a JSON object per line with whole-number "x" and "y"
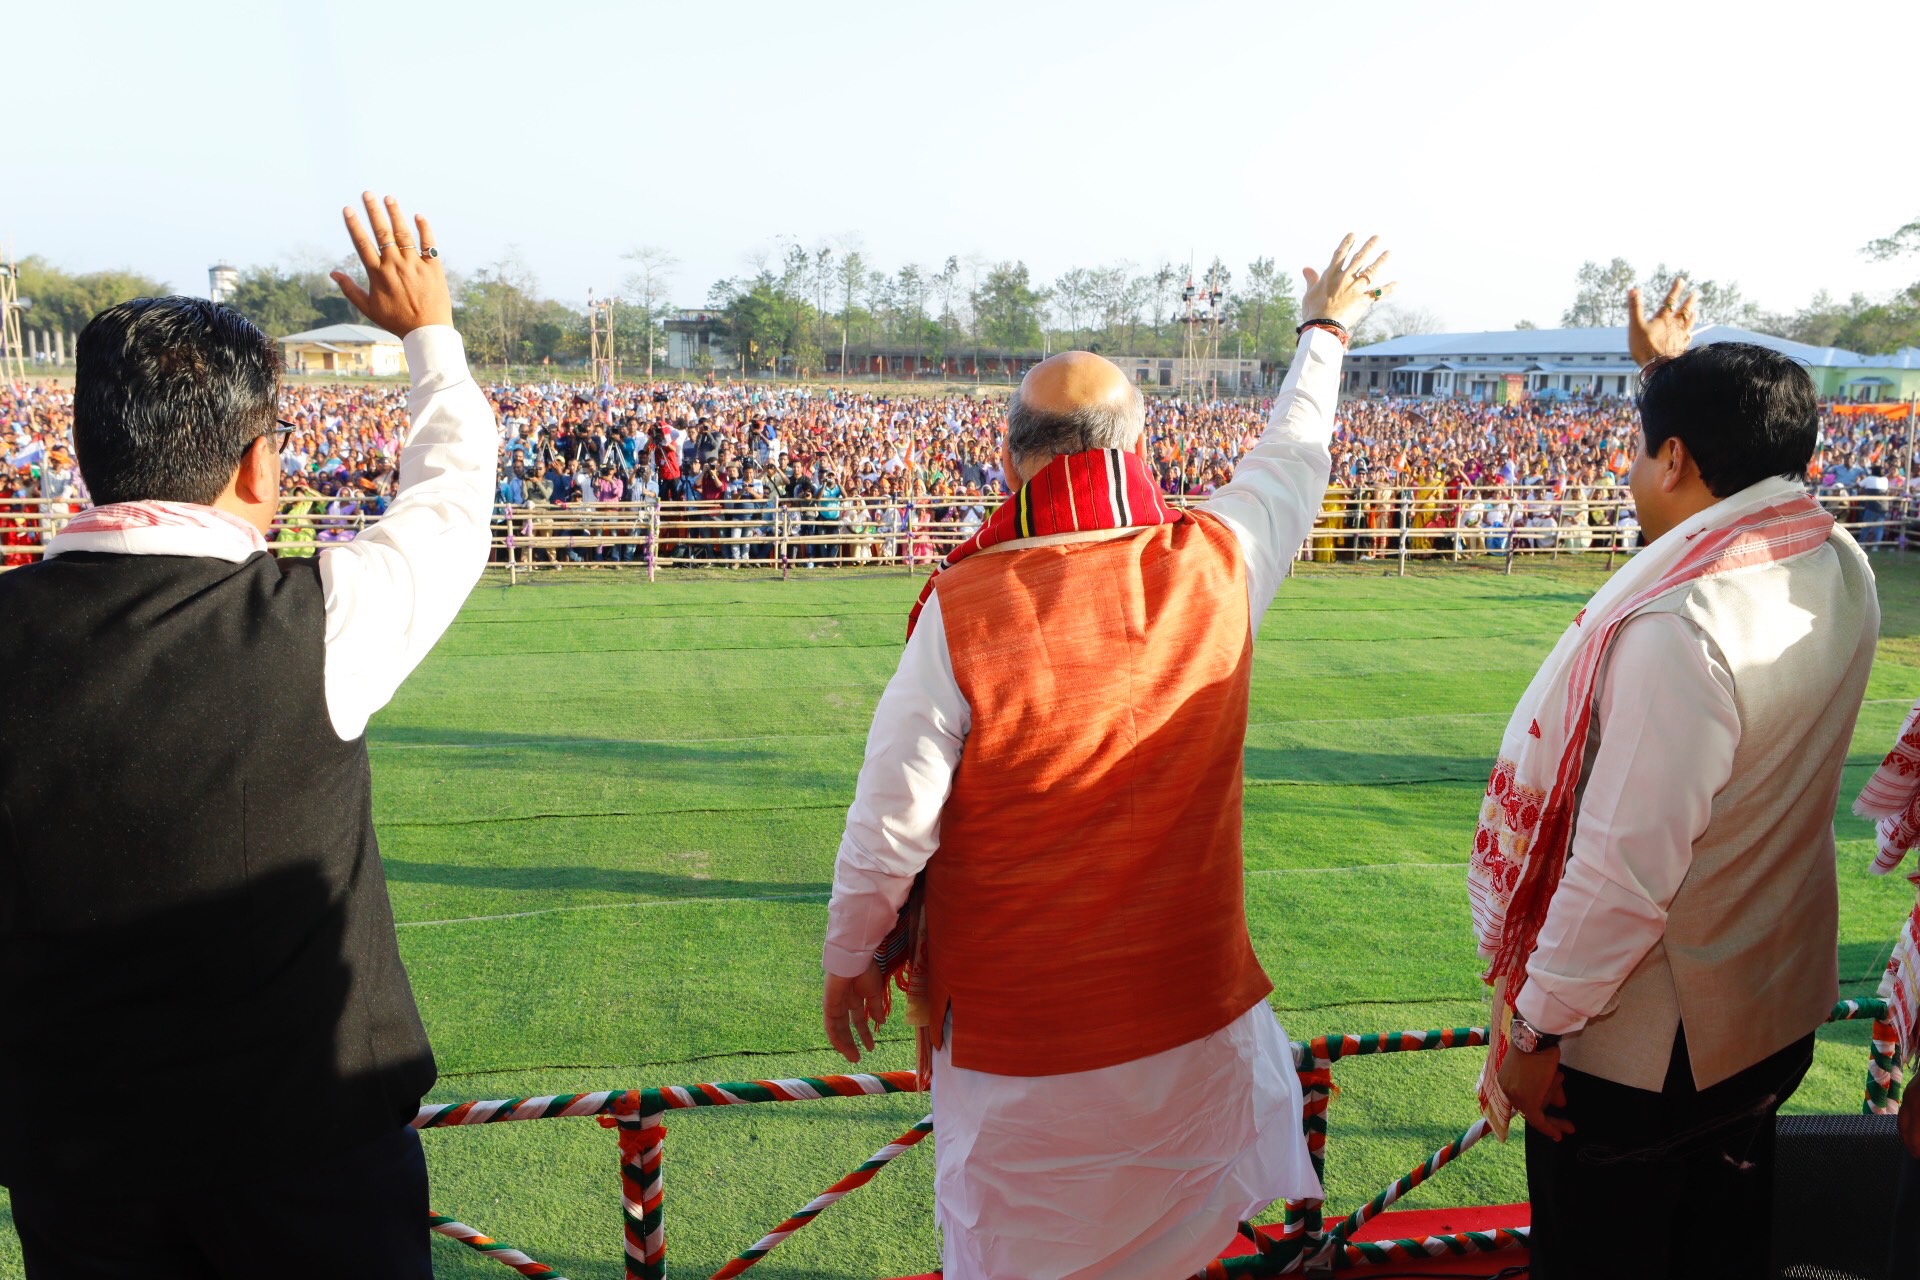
{"x": 406, "y": 285}
{"x": 1346, "y": 289}
{"x": 1666, "y": 333}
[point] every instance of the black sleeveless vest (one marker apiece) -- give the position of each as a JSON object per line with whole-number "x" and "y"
{"x": 198, "y": 969}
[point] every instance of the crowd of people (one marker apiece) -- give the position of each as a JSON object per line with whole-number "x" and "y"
{"x": 839, "y": 466}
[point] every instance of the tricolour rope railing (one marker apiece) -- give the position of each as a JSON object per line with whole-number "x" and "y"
{"x": 1304, "y": 1242}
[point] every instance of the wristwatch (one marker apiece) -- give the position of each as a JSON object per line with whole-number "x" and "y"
{"x": 1527, "y": 1040}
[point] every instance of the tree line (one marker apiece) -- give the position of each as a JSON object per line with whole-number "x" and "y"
{"x": 788, "y": 312}
{"x": 1872, "y": 326}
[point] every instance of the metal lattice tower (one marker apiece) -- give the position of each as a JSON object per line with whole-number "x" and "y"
{"x": 13, "y": 354}
{"x": 1203, "y": 307}
{"x": 600, "y": 340}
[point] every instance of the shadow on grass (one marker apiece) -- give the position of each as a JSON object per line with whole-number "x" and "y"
{"x": 1281, "y": 766}
{"x": 460, "y": 740}
{"x": 614, "y": 880}
{"x": 1862, "y": 962}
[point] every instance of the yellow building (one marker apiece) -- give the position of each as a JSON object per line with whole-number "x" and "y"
{"x": 344, "y": 348}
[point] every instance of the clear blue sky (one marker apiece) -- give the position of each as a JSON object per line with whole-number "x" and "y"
{"x": 1497, "y": 145}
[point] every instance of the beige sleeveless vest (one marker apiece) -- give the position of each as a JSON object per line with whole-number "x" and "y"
{"x": 1749, "y": 959}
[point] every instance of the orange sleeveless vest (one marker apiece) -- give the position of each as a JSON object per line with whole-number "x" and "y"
{"x": 1086, "y": 905}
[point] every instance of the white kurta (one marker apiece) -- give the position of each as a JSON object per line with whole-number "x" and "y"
{"x": 1135, "y": 1170}
{"x": 1648, "y": 796}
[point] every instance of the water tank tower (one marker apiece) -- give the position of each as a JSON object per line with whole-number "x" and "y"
{"x": 222, "y": 280}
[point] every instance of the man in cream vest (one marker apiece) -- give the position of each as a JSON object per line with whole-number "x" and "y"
{"x": 1684, "y": 945}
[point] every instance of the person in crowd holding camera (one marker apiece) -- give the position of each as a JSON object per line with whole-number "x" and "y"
{"x": 191, "y": 894}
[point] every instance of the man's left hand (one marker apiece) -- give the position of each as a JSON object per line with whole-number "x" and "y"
{"x": 853, "y": 1006}
{"x": 1533, "y": 1082}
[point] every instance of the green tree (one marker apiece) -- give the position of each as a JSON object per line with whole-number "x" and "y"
{"x": 1721, "y": 302}
{"x": 276, "y": 301}
{"x": 66, "y": 302}
{"x": 1600, "y": 297}
{"x": 647, "y": 290}
{"x": 764, "y": 322}
{"x": 1878, "y": 328}
{"x": 1266, "y": 313}
{"x": 494, "y": 307}
{"x": 851, "y": 275}
{"x": 1901, "y": 243}
{"x": 1009, "y": 307}
{"x": 1072, "y": 294}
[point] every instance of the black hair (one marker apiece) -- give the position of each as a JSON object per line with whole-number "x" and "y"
{"x": 1745, "y": 412}
{"x": 167, "y": 395}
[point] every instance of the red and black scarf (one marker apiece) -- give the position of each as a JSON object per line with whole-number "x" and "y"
{"x": 1074, "y": 493}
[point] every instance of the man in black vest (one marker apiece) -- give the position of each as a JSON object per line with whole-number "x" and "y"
{"x": 208, "y": 1040}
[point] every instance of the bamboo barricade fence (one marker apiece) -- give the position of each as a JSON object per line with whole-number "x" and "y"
{"x": 1306, "y": 1241}
{"x": 1390, "y": 528}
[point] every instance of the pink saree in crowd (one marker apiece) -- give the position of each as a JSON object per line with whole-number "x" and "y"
{"x": 1892, "y": 796}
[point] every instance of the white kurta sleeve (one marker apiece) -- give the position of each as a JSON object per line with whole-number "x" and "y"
{"x": 893, "y": 826}
{"x": 394, "y": 590}
{"x": 1278, "y": 486}
{"x": 1668, "y": 730}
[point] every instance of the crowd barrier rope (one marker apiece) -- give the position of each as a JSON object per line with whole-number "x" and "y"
{"x": 1304, "y": 1243}
{"x": 1386, "y": 527}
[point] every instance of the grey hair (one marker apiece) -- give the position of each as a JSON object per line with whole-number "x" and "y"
{"x": 1035, "y": 433}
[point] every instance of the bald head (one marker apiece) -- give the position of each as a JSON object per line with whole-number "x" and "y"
{"x": 1071, "y": 403}
{"x": 1075, "y": 380}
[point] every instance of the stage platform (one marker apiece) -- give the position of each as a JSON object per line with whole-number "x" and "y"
{"x": 1416, "y": 1224}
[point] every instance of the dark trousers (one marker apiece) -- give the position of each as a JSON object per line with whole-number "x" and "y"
{"x": 1904, "y": 1260}
{"x": 1680, "y": 1180}
{"x": 360, "y": 1214}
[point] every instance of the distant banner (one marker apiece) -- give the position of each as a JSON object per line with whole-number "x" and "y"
{"x": 31, "y": 454}
{"x": 1896, "y": 411}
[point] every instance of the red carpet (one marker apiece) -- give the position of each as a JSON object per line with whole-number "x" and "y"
{"x": 1419, "y": 1223}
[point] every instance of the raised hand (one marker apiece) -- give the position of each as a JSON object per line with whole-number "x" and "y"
{"x": 1345, "y": 290}
{"x": 406, "y": 285}
{"x": 1666, "y": 333}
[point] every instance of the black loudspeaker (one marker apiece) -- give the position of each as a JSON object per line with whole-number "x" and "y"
{"x": 1836, "y": 1187}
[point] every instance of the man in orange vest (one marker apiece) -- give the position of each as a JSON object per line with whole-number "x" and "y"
{"x": 1056, "y": 766}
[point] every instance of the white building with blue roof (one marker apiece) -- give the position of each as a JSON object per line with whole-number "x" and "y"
{"x": 1515, "y": 364}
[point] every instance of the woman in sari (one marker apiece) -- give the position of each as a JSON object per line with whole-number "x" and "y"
{"x": 296, "y": 523}
{"x": 1426, "y": 509}
{"x": 1333, "y": 517}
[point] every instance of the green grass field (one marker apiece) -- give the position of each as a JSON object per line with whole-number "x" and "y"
{"x": 610, "y": 809}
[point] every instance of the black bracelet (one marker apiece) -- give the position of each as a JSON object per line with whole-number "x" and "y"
{"x": 1323, "y": 323}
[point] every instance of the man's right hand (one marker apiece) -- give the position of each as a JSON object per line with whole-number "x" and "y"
{"x": 405, "y": 289}
{"x": 1666, "y": 333}
{"x": 849, "y": 1005}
